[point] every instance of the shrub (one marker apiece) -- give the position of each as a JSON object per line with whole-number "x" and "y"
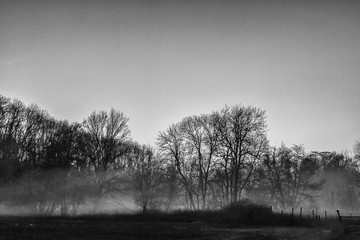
{"x": 247, "y": 212}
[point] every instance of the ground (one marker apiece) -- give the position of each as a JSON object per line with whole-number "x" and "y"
{"x": 103, "y": 228}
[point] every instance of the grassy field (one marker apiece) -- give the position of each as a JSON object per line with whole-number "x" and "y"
{"x": 159, "y": 226}
{"x": 233, "y": 222}
{"x": 112, "y": 228}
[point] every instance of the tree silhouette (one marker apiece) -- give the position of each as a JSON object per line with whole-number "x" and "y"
{"x": 104, "y": 142}
{"x": 242, "y": 141}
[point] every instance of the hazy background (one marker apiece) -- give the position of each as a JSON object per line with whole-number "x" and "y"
{"x": 160, "y": 61}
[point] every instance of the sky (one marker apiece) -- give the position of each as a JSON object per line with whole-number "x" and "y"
{"x": 161, "y": 61}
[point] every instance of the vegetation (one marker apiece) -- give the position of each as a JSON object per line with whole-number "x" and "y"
{"x": 207, "y": 162}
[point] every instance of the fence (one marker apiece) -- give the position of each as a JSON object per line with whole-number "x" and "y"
{"x": 349, "y": 220}
{"x": 315, "y": 215}
{"x": 320, "y": 216}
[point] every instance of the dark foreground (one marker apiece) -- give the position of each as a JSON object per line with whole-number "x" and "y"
{"x": 110, "y": 228}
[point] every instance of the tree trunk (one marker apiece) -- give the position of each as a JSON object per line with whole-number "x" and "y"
{"x": 144, "y": 208}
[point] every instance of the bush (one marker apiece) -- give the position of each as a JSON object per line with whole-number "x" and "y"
{"x": 247, "y": 212}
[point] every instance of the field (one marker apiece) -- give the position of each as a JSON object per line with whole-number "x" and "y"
{"x": 125, "y": 227}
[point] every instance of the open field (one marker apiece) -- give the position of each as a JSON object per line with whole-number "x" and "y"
{"x": 120, "y": 228}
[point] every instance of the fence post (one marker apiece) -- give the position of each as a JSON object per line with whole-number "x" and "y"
{"x": 270, "y": 209}
{"x": 292, "y": 212}
{"x": 300, "y": 212}
{"x": 282, "y": 212}
{"x": 313, "y": 214}
{"x": 338, "y": 213}
{"x": 325, "y": 215}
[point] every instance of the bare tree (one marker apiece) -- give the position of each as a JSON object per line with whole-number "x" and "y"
{"x": 341, "y": 177}
{"x": 172, "y": 186}
{"x": 357, "y": 150}
{"x": 147, "y": 177}
{"x": 48, "y": 164}
{"x": 104, "y": 142}
{"x": 31, "y": 144}
{"x": 173, "y": 147}
{"x": 289, "y": 177}
{"x": 34, "y": 147}
{"x": 201, "y": 140}
{"x": 242, "y": 141}
{"x": 11, "y": 129}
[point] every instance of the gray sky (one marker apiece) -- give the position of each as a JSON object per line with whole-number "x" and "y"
{"x": 160, "y": 61}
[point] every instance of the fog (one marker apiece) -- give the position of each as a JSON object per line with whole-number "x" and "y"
{"x": 207, "y": 161}
{"x": 32, "y": 195}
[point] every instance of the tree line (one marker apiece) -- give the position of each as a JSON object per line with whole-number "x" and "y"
{"x": 208, "y": 161}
